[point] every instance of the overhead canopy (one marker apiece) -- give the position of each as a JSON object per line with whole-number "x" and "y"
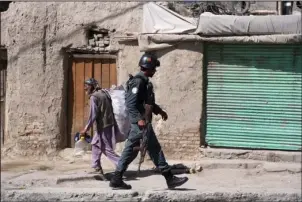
{"x": 158, "y": 19}
{"x": 163, "y": 28}
{"x": 229, "y": 25}
{"x": 152, "y": 42}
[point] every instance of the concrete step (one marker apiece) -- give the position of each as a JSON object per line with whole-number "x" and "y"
{"x": 97, "y": 194}
{"x": 220, "y": 180}
{"x": 261, "y": 155}
{"x": 211, "y": 163}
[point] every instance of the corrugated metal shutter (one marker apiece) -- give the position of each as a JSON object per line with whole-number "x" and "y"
{"x": 254, "y": 96}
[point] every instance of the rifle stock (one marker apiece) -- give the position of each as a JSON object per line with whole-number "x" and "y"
{"x": 143, "y": 146}
{"x": 145, "y": 137}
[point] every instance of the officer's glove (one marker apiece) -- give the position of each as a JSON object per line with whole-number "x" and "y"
{"x": 164, "y": 115}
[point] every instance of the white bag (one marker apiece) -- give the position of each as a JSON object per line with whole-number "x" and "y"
{"x": 81, "y": 147}
{"x": 120, "y": 110}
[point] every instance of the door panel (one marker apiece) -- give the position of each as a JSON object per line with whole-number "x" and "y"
{"x": 113, "y": 74}
{"x": 106, "y": 74}
{"x": 98, "y": 70}
{"x": 79, "y": 95}
{"x": 88, "y": 74}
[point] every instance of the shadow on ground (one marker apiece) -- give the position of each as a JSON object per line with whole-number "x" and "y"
{"x": 182, "y": 189}
{"x": 132, "y": 175}
{"x": 176, "y": 169}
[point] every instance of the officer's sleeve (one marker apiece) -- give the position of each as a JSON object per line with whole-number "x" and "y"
{"x": 156, "y": 109}
{"x": 132, "y": 100}
{"x": 151, "y": 100}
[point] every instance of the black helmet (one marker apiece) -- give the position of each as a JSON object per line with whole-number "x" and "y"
{"x": 148, "y": 61}
{"x": 92, "y": 82}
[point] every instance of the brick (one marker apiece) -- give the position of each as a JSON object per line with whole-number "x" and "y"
{"x": 191, "y": 130}
{"x": 163, "y": 141}
{"x": 171, "y": 138}
{"x": 101, "y": 44}
{"x": 173, "y": 141}
{"x": 189, "y": 134}
{"x": 100, "y": 35}
{"x": 192, "y": 146}
{"x": 92, "y": 42}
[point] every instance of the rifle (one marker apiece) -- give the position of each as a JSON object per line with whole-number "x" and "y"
{"x": 143, "y": 146}
{"x": 144, "y": 141}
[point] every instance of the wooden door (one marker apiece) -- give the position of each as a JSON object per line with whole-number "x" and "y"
{"x": 104, "y": 71}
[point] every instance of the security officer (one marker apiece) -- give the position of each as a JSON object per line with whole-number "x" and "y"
{"x": 140, "y": 102}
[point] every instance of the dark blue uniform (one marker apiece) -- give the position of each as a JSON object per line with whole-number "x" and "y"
{"x": 140, "y": 92}
{"x": 139, "y": 99}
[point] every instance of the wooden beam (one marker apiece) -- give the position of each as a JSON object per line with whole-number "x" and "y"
{"x": 95, "y": 56}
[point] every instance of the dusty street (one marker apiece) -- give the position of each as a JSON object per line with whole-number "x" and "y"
{"x": 225, "y": 180}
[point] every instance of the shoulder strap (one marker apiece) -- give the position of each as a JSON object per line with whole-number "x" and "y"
{"x": 109, "y": 97}
{"x": 131, "y": 77}
{"x": 107, "y": 94}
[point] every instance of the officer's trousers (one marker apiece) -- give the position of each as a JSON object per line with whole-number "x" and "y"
{"x": 153, "y": 147}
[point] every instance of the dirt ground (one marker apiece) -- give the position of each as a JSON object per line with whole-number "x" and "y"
{"x": 223, "y": 173}
{"x": 68, "y": 178}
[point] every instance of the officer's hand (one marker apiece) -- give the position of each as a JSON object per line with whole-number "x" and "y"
{"x": 164, "y": 115}
{"x": 141, "y": 123}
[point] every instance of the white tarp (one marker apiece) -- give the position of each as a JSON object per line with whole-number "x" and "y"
{"x": 152, "y": 42}
{"x": 226, "y": 25}
{"x": 161, "y": 20}
{"x": 163, "y": 28}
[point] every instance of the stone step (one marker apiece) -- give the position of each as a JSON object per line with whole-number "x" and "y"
{"x": 262, "y": 155}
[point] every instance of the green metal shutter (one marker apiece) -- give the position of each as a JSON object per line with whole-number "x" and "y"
{"x": 254, "y": 96}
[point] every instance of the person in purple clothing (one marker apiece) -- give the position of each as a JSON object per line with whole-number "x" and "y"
{"x": 106, "y": 130}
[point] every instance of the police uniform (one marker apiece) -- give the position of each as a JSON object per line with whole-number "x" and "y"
{"x": 139, "y": 94}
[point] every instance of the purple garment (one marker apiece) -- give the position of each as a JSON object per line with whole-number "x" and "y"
{"x": 104, "y": 139}
{"x": 104, "y": 143}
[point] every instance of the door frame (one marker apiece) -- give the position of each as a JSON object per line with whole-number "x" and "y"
{"x": 3, "y": 66}
{"x": 69, "y": 112}
{"x": 203, "y": 119}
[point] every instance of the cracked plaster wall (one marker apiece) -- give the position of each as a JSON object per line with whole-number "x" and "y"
{"x": 34, "y": 34}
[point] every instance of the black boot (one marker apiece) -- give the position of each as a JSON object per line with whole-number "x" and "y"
{"x": 173, "y": 181}
{"x": 117, "y": 182}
